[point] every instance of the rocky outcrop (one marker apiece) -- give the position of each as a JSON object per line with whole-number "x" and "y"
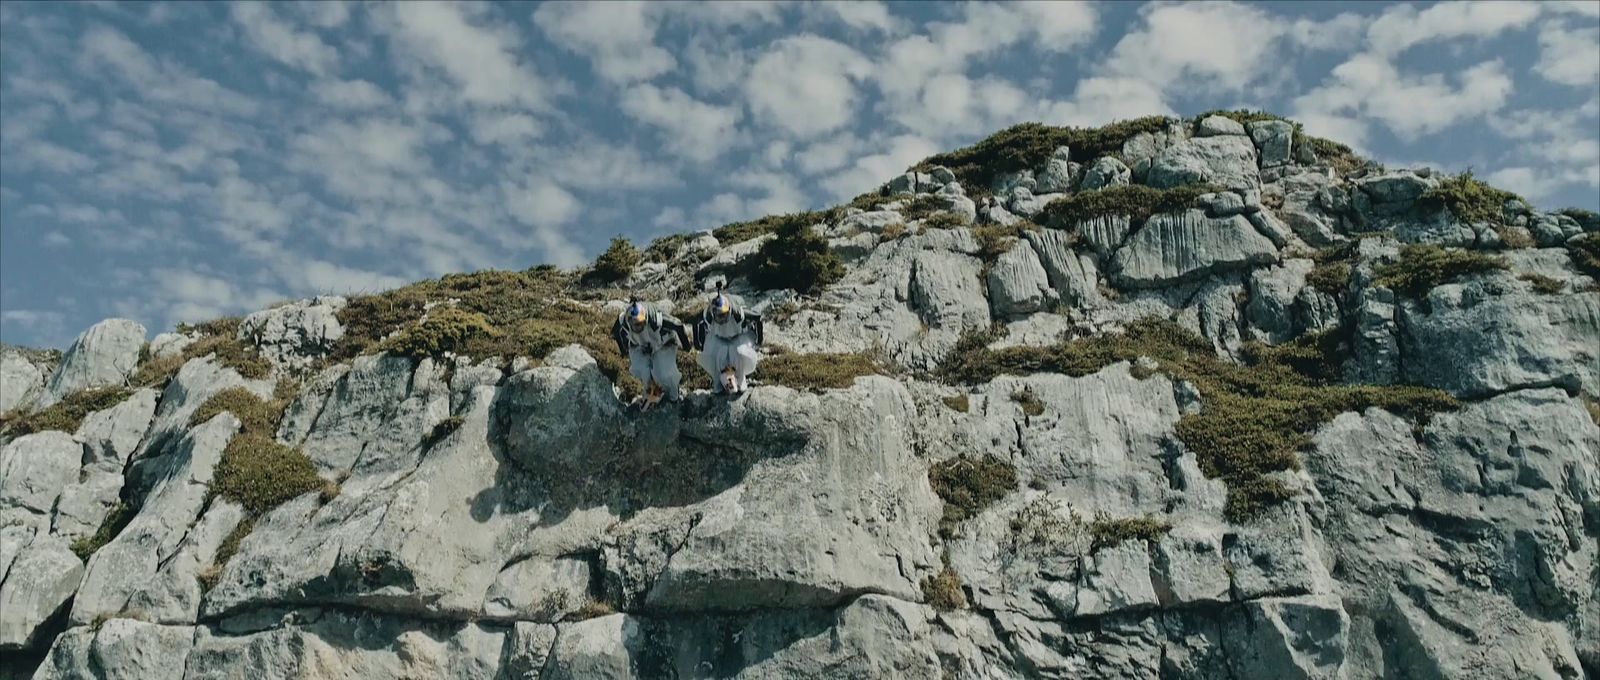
{"x": 103, "y": 355}
{"x": 512, "y": 517}
{"x": 22, "y": 376}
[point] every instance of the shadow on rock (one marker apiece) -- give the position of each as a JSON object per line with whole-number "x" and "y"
{"x": 566, "y": 443}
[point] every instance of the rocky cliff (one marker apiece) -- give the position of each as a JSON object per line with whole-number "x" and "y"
{"x": 1189, "y": 399}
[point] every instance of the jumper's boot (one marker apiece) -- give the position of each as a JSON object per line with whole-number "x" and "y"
{"x": 730, "y": 381}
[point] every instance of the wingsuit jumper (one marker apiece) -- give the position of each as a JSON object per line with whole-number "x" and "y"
{"x": 727, "y": 337}
{"x": 651, "y": 341}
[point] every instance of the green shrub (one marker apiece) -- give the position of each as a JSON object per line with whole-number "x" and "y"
{"x": 944, "y": 220}
{"x": 872, "y": 200}
{"x": 116, "y": 520}
{"x": 444, "y": 329}
{"x": 254, "y": 413}
{"x": 616, "y": 263}
{"x": 1421, "y": 268}
{"x": 1470, "y": 200}
{"x": 943, "y": 591}
{"x": 995, "y": 240}
{"x": 814, "y": 372}
{"x": 923, "y": 206}
{"x": 261, "y": 474}
{"x": 1329, "y": 277}
{"x": 797, "y": 258}
{"x": 1585, "y": 253}
{"x": 1254, "y": 416}
{"x": 665, "y": 248}
{"x": 739, "y": 232}
{"x": 1137, "y": 201}
{"x": 1516, "y": 238}
{"x": 1028, "y": 145}
{"x": 968, "y": 485}
{"x": 1341, "y": 158}
{"x": 1107, "y": 532}
{"x": 504, "y": 297}
{"x": 65, "y": 415}
{"x": 1543, "y": 284}
{"x": 1028, "y": 401}
{"x": 958, "y": 402}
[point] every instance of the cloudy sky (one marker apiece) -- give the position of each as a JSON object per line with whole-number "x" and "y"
{"x": 171, "y": 162}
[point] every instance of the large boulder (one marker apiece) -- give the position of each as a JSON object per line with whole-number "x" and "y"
{"x": 297, "y": 333}
{"x": 1106, "y": 171}
{"x": 1018, "y": 283}
{"x": 1228, "y": 161}
{"x": 1488, "y": 335}
{"x": 22, "y": 378}
{"x": 1174, "y": 247}
{"x": 38, "y": 582}
{"x": 1274, "y": 140}
{"x": 103, "y": 355}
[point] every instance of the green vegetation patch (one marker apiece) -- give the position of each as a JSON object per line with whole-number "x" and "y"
{"x": 798, "y": 258}
{"x": 1421, "y": 268}
{"x": 958, "y": 402}
{"x": 65, "y": 415}
{"x": 1028, "y": 145}
{"x": 254, "y": 413}
{"x": 225, "y": 552}
{"x": 1137, "y": 201}
{"x": 1542, "y": 284}
{"x": 1341, "y": 158}
{"x": 440, "y": 431}
{"x": 665, "y": 248}
{"x": 944, "y": 220}
{"x": 260, "y": 474}
{"x": 616, "y": 263}
{"x": 892, "y": 232}
{"x": 219, "y": 339}
{"x": 968, "y": 485}
{"x": 1255, "y": 416}
{"x": 1331, "y": 270}
{"x": 1470, "y": 200}
{"x": 739, "y": 232}
{"x": 814, "y": 372}
{"x": 116, "y": 520}
{"x": 443, "y": 330}
{"x": 943, "y": 591}
{"x": 1107, "y": 532}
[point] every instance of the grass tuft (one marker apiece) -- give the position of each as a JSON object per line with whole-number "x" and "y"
{"x": 1028, "y": 401}
{"x": 943, "y": 591}
{"x": 797, "y": 258}
{"x": 65, "y": 415}
{"x": 260, "y": 474}
{"x": 1542, "y": 284}
{"x": 1136, "y": 201}
{"x": 1421, "y": 268}
{"x": 1585, "y": 253}
{"x": 968, "y": 485}
{"x": 1107, "y": 532}
{"x": 816, "y": 372}
{"x": 254, "y": 413}
{"x": 444, "y": 330}
{"x": 739, "y": 232}
{"x": 116, "y": 520}
{"x": 892, "y": 232}
{"x": 958, "y": 403}
{"x": 1470, "y": 200}
{"x": 442, "y": 430}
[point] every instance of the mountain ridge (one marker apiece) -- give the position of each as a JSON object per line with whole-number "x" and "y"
{"x": 1168, "y": 397}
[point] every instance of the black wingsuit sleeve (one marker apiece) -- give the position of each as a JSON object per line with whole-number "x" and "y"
{"x": 620, "y": 337}
{"x": 676, "y": 328}
{"x": 700, "y": 330}
{"x": 754, "y": 321}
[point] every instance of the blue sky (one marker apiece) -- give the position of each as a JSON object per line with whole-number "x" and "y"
{"x": 176, "y": 162}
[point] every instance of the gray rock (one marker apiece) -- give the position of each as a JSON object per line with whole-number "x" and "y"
{"x": 732, "y": 257}
{"x": 945, "y": 292}
{"x": 1025, "y": 203}
{"x": 871, "y": 222}
{"x": 1487, "y": 335}
{"x": 120, "y": 649}
{"x": 594, "y": 648}
{"x": 38, "y": 583}
{"x": 111, "y": 436}
{"x": 170, "y": 344}
{"x": 527, "y": 648}
{"x": 21, "y": 380}
{"x": 34, "y": 469}
{"x": 1228, "y": 161}
{"x": 997, "y": 214}
{"x": 1188, "y": 567}
{"x": 1274, "y": 140}
{"x": 1274, "y": 292}
{"x": 295, "y": 334}
{"x": 316, "y": 643}
{"x": 941, "y": 175}
{"x": 962, "y": 206}
{"x": 1057, "y": 174}
{"x": 1018, "y": 283}
{"x": 1105, "y": 234}
{"x": 102, "y": 355}
{"x": 1174, "y": 247}
{"x": 1301, "y": 637}
{"x": 1213, "y": 126}
{"x": 1008, "y": 182}
{"x": 1268, "y": 225}
{"x": 1074, "y": 277}
{"x": 1116, "y": 580}
{"x": 1106, "y": 171}
{"x": 539, "y": 589}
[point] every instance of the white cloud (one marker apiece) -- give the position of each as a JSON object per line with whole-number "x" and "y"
{"x": 1200, "y": 45}
{"x": 618, "y": 37}
{"x": 353, "y": 95}
{"x": 828, "y": 154}
{"x": 279, "y": 40}
{"x": 1569, "y": 56}
{"x": 1402, "y": 26}
{"x": 715, "y": 64}
{"x": 56, "y": 239}
{"x": 1099, "y": 100}
{"x": 504, "y": 128}
{"x": 482, "y": 61}
{"x": 546, "y": 207}
{"x": 868, "y": 172}
{"x": 1540, "y": 183}
{"x": 326, "y": 13}
{"x": 1348, "y": 130}
{"x": 1371, "y": 87}
{"x": 1337, "y": 33}
{"x": 693, "y": 129}
{"x": 806, "y": 84}
{"x": 105, "y": 49}
{"x": 53, "y": 158}
{"x": 859, "y": 14}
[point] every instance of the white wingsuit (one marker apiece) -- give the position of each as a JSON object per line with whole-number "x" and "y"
{"x": 652, "y": 349}
{"x": 727, "y": 337}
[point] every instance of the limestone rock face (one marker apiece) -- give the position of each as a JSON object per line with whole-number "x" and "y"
{"x": 1173, "y": 247}
{"x": 514, "y": 517}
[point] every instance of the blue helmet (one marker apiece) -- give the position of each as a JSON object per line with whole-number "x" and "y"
{"x": 721, "y": 307}
{"x": 637, "y": 316}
